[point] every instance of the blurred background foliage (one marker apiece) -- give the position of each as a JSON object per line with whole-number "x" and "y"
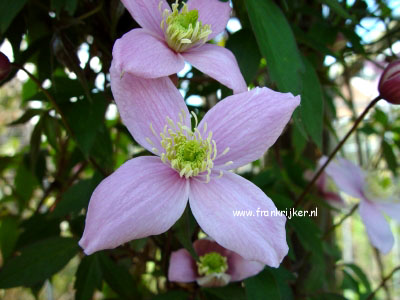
{"x": 61, "y": 134}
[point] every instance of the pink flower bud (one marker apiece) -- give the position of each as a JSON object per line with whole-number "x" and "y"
{"x": 389, "y": 84}
{"x": 5, "y": 66}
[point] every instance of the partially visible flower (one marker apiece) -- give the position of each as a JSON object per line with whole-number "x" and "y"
{"x": 377, "y": 193}
{"x": 168, "y": 37}
{"x": 5, "y": 66}
{"x": 389, "y": 84}
{"x": 146, "y": 195}
{"x": 327, "y": 189}
{"x": 217, "y": 266}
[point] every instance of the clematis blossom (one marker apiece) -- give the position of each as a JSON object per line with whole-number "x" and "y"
{"x": 146, "y": 195}
{"x": 377, "y": 194}
{"x": 327, "y": 189}
{"x": 170, "y": 36}
{"x": 217, "y": 266}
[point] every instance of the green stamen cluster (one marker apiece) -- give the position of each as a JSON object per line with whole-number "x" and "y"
{"x": 182, "y": 29}
{"x": 380, "y": 186}
{"x": 212, "y": 263}
{"x": 186, "y": 150}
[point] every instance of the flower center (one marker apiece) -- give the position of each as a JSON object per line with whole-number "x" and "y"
{"x": 186, "y": 150}
{"x": 380, "y": 186}
{"x": 182, "y": 29}
{"x": 212, "y": 263}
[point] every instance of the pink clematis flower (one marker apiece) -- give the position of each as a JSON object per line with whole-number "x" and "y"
{"x": 377, "y": 196}
{"x": 146, "y": 195}
{"x": 168, "y": 37}
{"x": 217, "y": 266}
{"x": 326, "y": 189}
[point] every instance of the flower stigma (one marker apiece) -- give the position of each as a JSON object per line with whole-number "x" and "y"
{"x": 212, "y": 263}
{"x": 182, "y": 29}
{"x": 188, "y": 151}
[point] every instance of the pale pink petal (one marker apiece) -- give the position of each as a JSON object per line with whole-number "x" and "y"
{"x": 144, "y": 101}
{"x": 147, "y": 14}
{"x": 212, "y": 12}
{"x": 377, "y": 227}
{"x": 240, "y": 268}
{"x": 141, "y": 198}
{"x": 182, "y": 267}
{"x": 218, "y": 63}
{"x": 248, "y": 123}
{"x": 347, "y": 176}
{"x": 259, "y": 238}
{"x": 145, "y": 55}
{"x": 391, "y": 209}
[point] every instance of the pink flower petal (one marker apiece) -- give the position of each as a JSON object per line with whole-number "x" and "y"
{"x": 254, "y": 238}
{"x": 391, "y": 209}
{"x": 218, "y": 63}
{"x": 377, "y": 227}
{"x": 241, "y": 268}
{"x": 145, "y": 55}
{"x": 143, "y": 197}
{"x": 248, "y": 123}
{"x": 334, "y": 199}
{"x": 144, "y": 101}
{"x": 182, "y": 267}
{"x": 147, "y": 14}
{"x": 212, "y": 12}
{"x": 347, "y": 176}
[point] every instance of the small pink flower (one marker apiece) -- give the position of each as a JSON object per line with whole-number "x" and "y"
{"x": 146, "y": 195}
{"x": 5, "y": 66}
{"x": 169, "y": 37}
{"x": 389, "y": 84}
{"x": 326, "y": 189}
{"x": 353, "y": 181}
{"x": 217, "y": 266}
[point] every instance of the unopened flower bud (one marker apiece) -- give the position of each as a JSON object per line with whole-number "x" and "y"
{"x": 5, "y": 66}
{"x": 389, "y": 84}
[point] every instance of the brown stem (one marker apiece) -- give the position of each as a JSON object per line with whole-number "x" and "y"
{"x": 332, "y": 228}
{"x": 337, "y": 148}
{"x": 382, "y": 284}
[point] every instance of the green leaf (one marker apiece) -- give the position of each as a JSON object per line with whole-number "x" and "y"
{"x": 277, "y": 44}
{"x": 246, "y": 53}
{"x": 9, "y": 233}
{"x": 390, "y": 157}
{"x": 360, "y": 275}
{"x": 76, "y": 197}
{"x": 184, "y": 230}
{"x": 172, "y": 295}
{"x": 231, "y": 292}
{"x": 117, "y": 277}
{"x": 38, "y": 262}
{"x": 88, "y": 277}
{"x": 312, "y": 104}
{"x": 25, "y": 182}
{"x": 262, "y": 286}
{"x": 337, "y": 8}
{"x": 8, "y": 11}
{"x": 29, "y": 114}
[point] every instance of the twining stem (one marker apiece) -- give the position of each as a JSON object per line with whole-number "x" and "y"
{"x": 332, "y": 228}
{"x": 383, "y": 283}
{"x": 337, "y": 148}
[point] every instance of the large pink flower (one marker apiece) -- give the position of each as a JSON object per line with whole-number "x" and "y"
{"x": 375, "y": 197}
{"x": 146, "y": 195}
{"x": 169, "y": 37}
{"x": 217, "y": 266}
